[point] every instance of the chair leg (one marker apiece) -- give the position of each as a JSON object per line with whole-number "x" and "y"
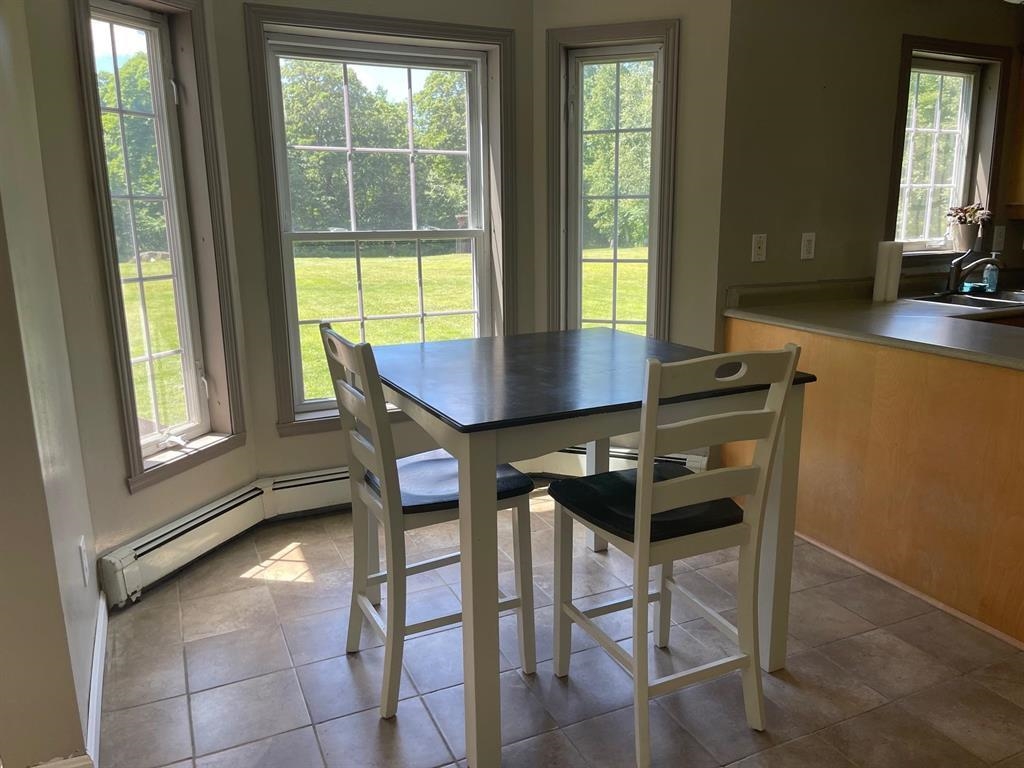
{"x": 662, "y": 608}
{"x": 746, "y": 624}
{"x": 563, "y": 590}
{"x": 394, "y": 642}
{"x": 373, "y": 557}
{"x": 359, "y": 574}
{"x": 641, "y": 698}
{"x": 524, "y": 585}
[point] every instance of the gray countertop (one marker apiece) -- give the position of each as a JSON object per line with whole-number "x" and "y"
{"x": 908, "y": 324}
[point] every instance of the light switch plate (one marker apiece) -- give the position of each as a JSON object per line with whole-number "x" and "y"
{"x": 807, "y": 246}
{"x": 999, "y": 238}
{"x": 759, "y": 248}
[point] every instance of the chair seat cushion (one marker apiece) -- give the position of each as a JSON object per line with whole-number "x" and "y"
{"x": 430, "y": 482}
{"x": 608, "y": 500}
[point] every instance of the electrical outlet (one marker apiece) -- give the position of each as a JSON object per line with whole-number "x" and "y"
{"x": 999, "y": 238}
{"x": 759, "y": 248}
{"x": 807, "y": 246}
{"x": 84, "y": 557}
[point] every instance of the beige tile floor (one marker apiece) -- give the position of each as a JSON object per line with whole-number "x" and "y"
{"x": 239, "y": 661}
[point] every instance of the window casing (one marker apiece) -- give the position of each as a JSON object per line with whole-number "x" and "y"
{"x": 145, "y": 190}
{"x": 941, "y": 124}
{"x": 383, "y": 206}
{"x": 614, "y": 145}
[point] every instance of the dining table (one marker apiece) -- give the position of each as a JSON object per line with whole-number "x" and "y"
{"x": 502, "y": 399}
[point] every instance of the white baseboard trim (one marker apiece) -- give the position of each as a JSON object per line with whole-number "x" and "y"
{"x": 84, "y": 761}
{"x": 99, "y": 657}
{"x": 920, "y": 595}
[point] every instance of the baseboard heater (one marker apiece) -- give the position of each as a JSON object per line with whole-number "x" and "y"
{"x": 128, "y": 570}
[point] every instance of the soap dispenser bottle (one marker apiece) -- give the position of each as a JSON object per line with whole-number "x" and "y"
{"x": 991, "y": 276}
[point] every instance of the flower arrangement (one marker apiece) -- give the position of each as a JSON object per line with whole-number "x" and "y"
{"x": 975, "y": 213}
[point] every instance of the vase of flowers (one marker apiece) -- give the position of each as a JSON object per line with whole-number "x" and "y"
{"x": 965, "y": 224}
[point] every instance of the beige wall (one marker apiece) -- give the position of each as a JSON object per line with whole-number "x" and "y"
{"x": 48, "y": 610}
{"x": 703, "y": 55}
{"x": 809, "y": 125}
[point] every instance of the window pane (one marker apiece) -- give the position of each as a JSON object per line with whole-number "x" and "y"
{"x": 162, "y": 315}
{"x": 938, "y": 224}
{"x": 952, "y": 93}
{"x": 631, "y": 291}
{"x": 635, "y": 163}
{"x": 318, "y": 188}
{"x": 114, "y": 152}
{"x": 598, "y": 96}
{"x": 123, "y": 237}
{"x": 449, "y": 327}
{"x": 151, "y": 233}
{"x": 638, "y": 329}
{"x": 636, "y": 94}
{"x": 447, "y": 275}
{"x": 131, "y": 297}
{"x": 598, "y": 278}
{"x": 921, "y": 167}
{"x": 325, "y": 280}
{"x": 402, "y": 330}
{"x": 133, "y": 69}
{"x": 390, "y": 278}
{"x": 439, "y": 109}
{"x": 917, "y": 204}
{"x": 634, "y": 228}
{"x": 143, "y": 160}
{"x": 316, "y": 379}
{"x": 170, "y": 390}
{"x": 381, "y": 191}
{"x": 598, "y": 228}
{"x": 103, "y": 55}
{"x": 945, "y": 158}
{"x": 379, "y": 106}
{"x": 927, "y": 100}
{"x": 143, "y": 400}
{"x": 313, "y": 96}
{"x": 442, "y": 192}
{"x": 599, "y": 164}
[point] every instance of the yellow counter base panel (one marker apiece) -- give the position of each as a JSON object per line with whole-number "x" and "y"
{"x": 913, "y": 464}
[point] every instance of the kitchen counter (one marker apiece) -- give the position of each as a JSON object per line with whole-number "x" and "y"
{"x": 907, "y": 324}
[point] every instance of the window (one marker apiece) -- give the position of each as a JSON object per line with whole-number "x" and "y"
{"x": 941, "y": 109}
{"x": 613, "y": 101}
{"x": 148, "y": 104}
{"x": 950, "y": 117}
{"x": 143, "y": 163}
{"x": 611, "y": 138}
{"x": 383, "y": 211}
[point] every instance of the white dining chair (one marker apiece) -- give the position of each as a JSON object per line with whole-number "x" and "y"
{"x": 660, "y": 513}
{"x": 403, "y": 494}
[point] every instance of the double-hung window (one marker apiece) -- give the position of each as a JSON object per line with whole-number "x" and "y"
{"x": 136, "y": 95}
{"x": 382, "y": 203}
{"x": 942, "y": 106}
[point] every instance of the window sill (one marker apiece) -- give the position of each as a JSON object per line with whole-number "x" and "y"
{"x": 173, "y": 461}
{"x": 325, "y": 420}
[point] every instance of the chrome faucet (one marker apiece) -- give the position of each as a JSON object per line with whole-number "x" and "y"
{"x": 959, "y": 273}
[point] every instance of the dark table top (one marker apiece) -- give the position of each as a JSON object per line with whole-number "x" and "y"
{"x": 479, "y": 384}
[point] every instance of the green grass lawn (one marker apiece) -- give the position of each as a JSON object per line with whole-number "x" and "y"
{"x": 326, "y": 289}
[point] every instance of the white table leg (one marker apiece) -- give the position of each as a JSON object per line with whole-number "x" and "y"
{"x": 777, "y": 541}
{"x": 597, "y": 462}
{"x": 478, "y": 531}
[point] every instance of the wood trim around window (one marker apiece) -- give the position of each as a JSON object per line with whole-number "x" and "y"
{"x": 985, "y": 55}
{"x": 204, "y": 190}
{"x": 559, "y": 43}
{"x": 257, "y": 19}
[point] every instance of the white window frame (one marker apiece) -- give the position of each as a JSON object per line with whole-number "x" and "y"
{"x": 170, "y": 159}
{"x": 574, "y": 200}
{"x": 966, "y": 145}
{"x": 359, "y": 49}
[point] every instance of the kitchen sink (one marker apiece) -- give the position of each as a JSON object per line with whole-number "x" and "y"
{"x": 997, "y": 300}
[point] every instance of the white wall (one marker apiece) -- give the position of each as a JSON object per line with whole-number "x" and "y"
{"x": 49, "y": 611}
{"x": 703, "y": 66}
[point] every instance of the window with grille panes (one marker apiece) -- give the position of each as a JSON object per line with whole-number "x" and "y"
{"x": 382, "y": 202}
{"x": 940, "y": 127}
{"x": 613, "y": 146}
{"x": 131, "y": 51}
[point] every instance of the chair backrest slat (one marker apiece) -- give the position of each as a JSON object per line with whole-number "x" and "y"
{"x": 681, "y": 436}
{"x": 698, "y": 488}
{"x": 364, "y": 422}
{"x": 746, "y": 484}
